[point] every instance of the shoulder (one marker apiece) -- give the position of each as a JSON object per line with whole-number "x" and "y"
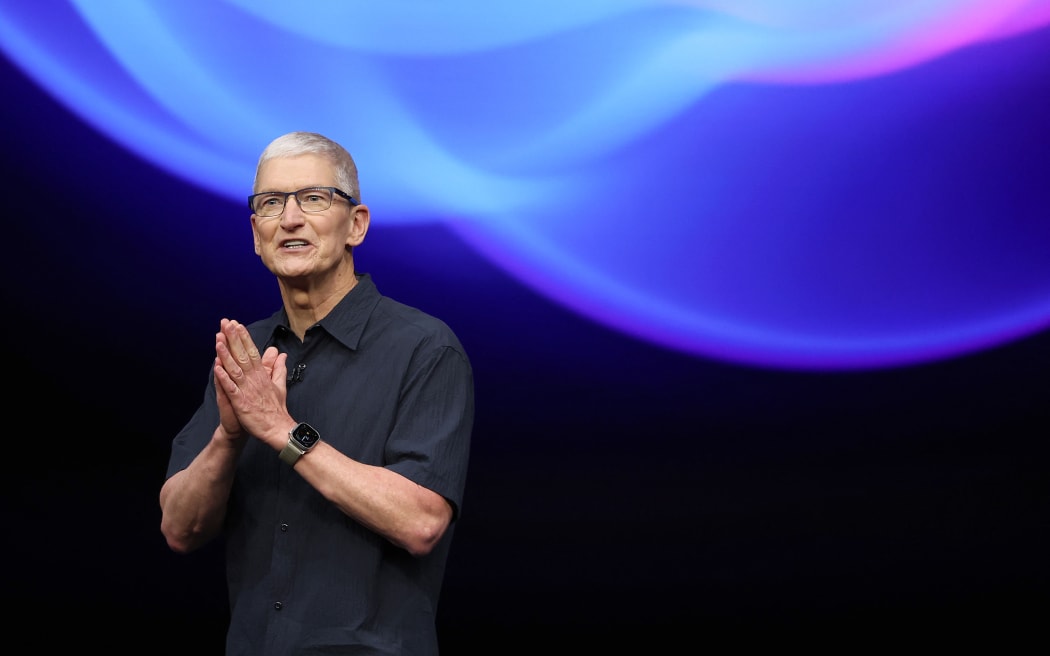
{"x": 413, "y": 322}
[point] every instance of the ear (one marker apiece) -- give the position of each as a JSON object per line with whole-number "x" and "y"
{"x": 360, "y": 218}
{"x": 255, "y": 236}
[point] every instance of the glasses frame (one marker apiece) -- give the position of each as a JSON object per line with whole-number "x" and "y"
{"x": 335, "y": 190}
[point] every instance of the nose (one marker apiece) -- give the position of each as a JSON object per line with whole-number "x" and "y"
{"x": 291, "y": 216}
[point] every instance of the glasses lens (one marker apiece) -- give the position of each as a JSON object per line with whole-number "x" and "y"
{"x": 311, "y": 199}
{"x": 268, "y": 204}
{"x": 314, "y": 200}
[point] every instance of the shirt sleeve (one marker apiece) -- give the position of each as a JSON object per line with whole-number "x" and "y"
{"x": 194, "y": 436}
{"x": 430, "y": 443}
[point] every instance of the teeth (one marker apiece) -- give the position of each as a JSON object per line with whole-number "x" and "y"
{"x": 294, "y": 244}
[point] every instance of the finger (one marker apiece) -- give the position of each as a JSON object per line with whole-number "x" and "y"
{"x": 224, "y": 384}
{"x": 225, "y": 359}
{"x": 279, "y": 375}
{"x": 241, "y": 344}
{"x": 224, "y": 342}
{"x": 233, "y": 342}
{"x": 269, "y": 357}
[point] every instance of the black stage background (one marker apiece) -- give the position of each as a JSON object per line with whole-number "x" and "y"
{"x": 619, "y": 495}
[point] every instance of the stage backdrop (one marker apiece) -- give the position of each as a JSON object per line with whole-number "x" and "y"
{"x": 756, "y": 293}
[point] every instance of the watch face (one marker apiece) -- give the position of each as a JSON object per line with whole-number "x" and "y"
{"x": 306, "y": 435}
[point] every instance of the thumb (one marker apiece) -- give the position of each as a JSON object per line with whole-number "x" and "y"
{"x": 279, "y": 375}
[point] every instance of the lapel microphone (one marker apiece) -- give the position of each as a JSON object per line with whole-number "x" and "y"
{"x": 295, "y": 375}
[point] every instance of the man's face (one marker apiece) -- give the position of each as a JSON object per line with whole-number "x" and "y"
{"x": 298, "y": 244}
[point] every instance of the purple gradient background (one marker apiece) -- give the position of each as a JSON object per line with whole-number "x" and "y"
{"x": 624, "y": 492}
{"x": 786, "y": 185}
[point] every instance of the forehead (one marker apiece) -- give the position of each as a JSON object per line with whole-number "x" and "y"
{"x": 291, "y": 173}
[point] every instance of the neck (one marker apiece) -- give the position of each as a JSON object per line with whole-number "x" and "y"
{"x": 307, "y": 304}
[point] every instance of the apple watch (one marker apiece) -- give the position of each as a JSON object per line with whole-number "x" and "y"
{"x": 301, "y": 439}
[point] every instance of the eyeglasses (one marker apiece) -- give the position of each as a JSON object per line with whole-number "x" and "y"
{"x": 312, "y": 199}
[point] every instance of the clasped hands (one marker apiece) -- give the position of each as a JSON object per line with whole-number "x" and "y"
{"x": 250, "y": 389}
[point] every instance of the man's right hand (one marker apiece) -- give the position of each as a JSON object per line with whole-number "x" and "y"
{"x": 257, "y": 381}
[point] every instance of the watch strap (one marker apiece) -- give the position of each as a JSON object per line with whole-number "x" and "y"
{"x": 291, "y": 452}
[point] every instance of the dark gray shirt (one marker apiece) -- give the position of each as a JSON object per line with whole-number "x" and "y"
{"x": 387, "y": 385}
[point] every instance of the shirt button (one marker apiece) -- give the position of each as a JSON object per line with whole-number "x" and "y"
{"x": 284, "y": 528}
{"x": 277, "y": 605}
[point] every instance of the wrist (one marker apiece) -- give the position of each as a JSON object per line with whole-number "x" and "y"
{"x": 228, "y": 438}
{"x": 301, "y": 439}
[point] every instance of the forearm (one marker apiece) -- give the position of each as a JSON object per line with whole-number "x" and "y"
{"x": 405, "y": 513}
{"x": 193, "y": 501}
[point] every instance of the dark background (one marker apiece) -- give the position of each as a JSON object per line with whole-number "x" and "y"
{"x": 620, "y": 495}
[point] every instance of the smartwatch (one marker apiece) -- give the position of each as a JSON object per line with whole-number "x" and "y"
{"x": 301, "y": 439}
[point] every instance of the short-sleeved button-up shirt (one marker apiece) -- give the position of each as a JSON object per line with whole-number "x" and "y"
{"x": 388, "y": 385}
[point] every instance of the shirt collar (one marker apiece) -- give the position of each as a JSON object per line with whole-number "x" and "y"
{"x": 346, "y": 322}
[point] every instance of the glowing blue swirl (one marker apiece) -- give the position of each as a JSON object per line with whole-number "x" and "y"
{"x": 761, "y": 181}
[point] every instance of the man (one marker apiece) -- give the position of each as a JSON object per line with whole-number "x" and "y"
{"x": 331, "y": 448}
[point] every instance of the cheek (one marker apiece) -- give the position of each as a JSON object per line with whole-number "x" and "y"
{"x": 262, "y": 235}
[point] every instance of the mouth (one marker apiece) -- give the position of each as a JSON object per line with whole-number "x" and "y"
{"x": 293, "y": 244}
